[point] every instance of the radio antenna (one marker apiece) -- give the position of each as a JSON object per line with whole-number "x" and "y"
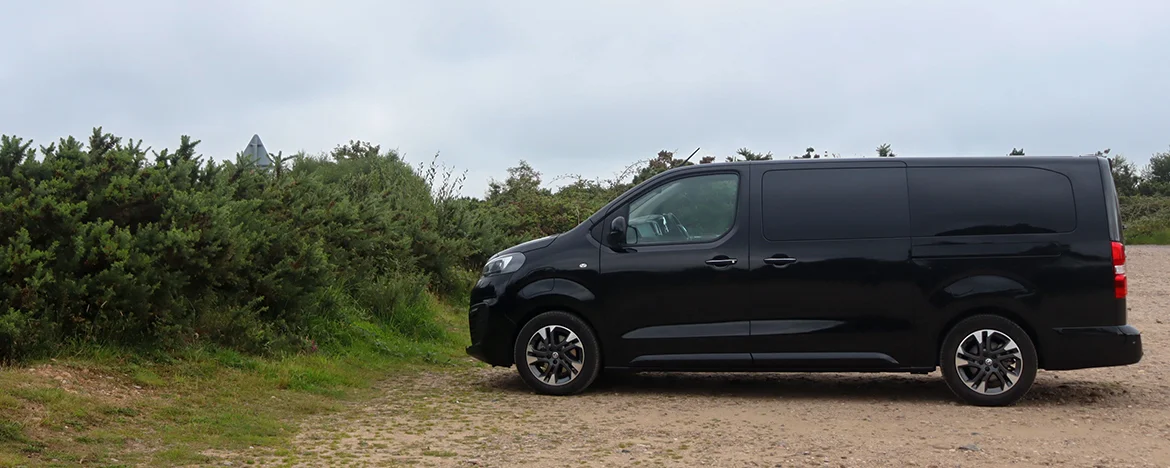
{"x": 689, "y": 157}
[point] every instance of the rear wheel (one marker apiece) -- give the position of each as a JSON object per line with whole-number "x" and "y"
{"x": 556, "y": 353}
{"x": 988, "y": 360}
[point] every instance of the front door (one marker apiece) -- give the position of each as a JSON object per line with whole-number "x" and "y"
{"x": 830, "y": 283}
{"x": 670, "y": 293}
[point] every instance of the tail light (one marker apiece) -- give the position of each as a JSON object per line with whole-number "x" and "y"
{"x": 1120, "y": 284}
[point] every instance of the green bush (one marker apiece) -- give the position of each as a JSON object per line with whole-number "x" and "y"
{"x": 106, "y": 245}
{"x": 1146, "y": 219}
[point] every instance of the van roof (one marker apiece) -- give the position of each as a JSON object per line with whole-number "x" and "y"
{"x": 915, "y": 161}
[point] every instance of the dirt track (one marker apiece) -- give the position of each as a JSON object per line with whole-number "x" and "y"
{"x": 487, "y": 417}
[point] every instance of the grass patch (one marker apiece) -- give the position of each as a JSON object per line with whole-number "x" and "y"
{"x": 1146, "y": 219}
{"x": 112, "y": 407}
{"x": 11, "y": 431}
{"x": 1158, "y": 237}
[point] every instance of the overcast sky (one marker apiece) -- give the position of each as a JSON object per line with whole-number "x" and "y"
{"x": 591, "y": 87}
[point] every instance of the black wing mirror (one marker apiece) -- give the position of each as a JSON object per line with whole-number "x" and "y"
{"x": 617, "y": 231}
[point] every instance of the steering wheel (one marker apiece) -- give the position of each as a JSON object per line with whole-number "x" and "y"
{"x": 680, "y": 226}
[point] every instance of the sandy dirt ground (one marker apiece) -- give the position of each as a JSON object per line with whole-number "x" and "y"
{"x": 487, "y": 417}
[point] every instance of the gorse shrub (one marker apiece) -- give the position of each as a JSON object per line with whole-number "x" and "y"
{"x": 104, "y": 243}
{"x": 1146, "y": 219}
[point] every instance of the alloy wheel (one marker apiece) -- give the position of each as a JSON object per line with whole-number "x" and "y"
{"x": 555, "y": 355}
{"x": 989, "y": 362}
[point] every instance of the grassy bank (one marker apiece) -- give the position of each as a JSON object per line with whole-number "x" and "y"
{"x": 109, "y": 407}
{"x": 158, "y": 306}
{"x": 1146, "y": 219}
{"x": 1160, "y": 237}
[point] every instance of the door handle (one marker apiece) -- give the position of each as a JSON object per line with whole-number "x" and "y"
{"x": 779, "y": 261}
{"x": 721, "y": 262}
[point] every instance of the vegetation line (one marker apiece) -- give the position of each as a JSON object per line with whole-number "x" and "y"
{"x": 155, "y": 305}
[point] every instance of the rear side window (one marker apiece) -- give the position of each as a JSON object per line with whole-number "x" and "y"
{"x": 816, "y": 204}
{"x": 973, "y": 201}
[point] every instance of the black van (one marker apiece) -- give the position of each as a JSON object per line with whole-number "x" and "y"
{"x": 990, "y": 268}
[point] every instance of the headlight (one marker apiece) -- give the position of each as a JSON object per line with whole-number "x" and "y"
{"x": 506, "y": 263}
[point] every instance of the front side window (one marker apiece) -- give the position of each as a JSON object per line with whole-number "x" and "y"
{"x": 694, "y": 209}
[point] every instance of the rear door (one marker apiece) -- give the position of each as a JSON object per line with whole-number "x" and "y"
{"x": 830, "y": 279}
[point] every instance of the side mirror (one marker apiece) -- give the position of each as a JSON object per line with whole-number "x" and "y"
{"x": 633, "y": 236}
{"x": 617, "y": 231}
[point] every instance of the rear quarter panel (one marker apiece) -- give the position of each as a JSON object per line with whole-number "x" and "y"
{"x": 1043, "y": 281}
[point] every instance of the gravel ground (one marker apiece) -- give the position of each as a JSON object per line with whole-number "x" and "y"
{"x": 487, "y": 417}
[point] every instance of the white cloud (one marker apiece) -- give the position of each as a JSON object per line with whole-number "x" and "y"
{"x": 586, "y": 88}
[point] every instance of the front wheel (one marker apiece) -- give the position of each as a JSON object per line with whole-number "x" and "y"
{"x": 988, "y": 360}
{"x": 556, "y": 353}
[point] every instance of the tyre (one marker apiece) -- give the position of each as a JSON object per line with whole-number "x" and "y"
{"x": 988, "y": 360}
{"x": 556, "y": 353}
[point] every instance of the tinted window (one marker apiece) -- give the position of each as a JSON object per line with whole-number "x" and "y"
{"x": 965, "y": 201}
{"x": 805, "y": 204}
{"x": 693, "y": 209}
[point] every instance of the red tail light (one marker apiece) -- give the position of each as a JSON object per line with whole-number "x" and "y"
{"x": 1120, "y": 284}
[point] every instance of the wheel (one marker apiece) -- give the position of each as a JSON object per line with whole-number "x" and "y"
{"x": 988, "y": 360}
{"x": 556, "y": 353}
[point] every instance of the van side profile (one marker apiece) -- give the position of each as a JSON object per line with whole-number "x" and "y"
{"x": 985, "y": 268}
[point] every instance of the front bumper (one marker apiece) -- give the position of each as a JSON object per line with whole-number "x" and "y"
{"x": 491, "y": 334}
{"x": 1085, "y": 347}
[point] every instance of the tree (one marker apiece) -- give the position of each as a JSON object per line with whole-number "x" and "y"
{"x": 810, "y": 153}
{"x": 749, "y": 155}
{"x": 1016, "y": 152}
{"x": 359, "y": 150}
{"x": 1158, "y": 171}
{"x": 521, "y": 179}
{"x": 1125, "y": 176}
{"x": 523, "y": 209}
{"x": 884, "y": 151}
{"x": 1156, "y": 177}
{"x": 665, "y": 160}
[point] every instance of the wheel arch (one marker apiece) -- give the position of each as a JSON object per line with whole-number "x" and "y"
{"x": 564, "y": 296}
{"x": 1000, "y": 311}
{"x": 984, "y": 292}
